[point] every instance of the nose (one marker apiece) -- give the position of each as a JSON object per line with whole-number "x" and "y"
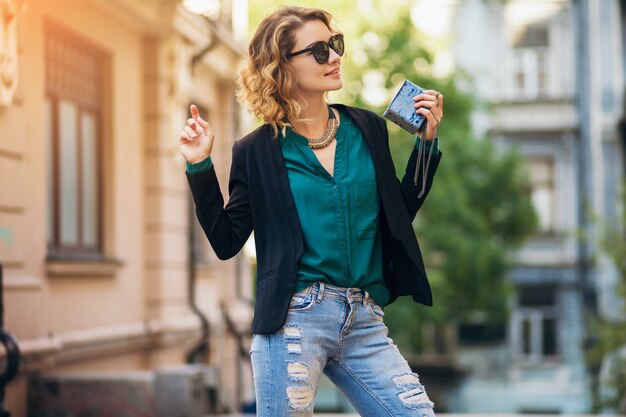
{"x": 332, "y": 55}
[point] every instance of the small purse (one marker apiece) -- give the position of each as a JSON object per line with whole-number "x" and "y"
{"x": 402, "y": 112}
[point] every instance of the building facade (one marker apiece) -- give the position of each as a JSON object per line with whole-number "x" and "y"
{"x": 550, "y": 78}
{"x": 105, "y": 271}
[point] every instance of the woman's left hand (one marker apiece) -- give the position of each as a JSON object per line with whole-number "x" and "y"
{"x": 430, "y": 105}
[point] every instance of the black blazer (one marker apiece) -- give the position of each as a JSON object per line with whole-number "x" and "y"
{"x": 260, "y": 198}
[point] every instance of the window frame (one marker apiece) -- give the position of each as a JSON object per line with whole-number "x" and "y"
{"x": 535, "y": 315}
{"x": 96, "y": 106}
{"x": 526, "y": 62}
{"x": 530, "y": 59}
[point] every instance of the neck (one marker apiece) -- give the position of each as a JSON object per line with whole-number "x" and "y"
{"x": 317, "y": 110}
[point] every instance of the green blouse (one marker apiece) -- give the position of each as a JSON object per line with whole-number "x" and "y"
{"x": 338, "y": 214}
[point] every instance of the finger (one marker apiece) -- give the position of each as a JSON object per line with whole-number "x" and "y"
{"x": 433, "y": 115}
{"x": 428, "y": 114}
{"x": 439, "y": 98}
{"x": 431, "y": 127}
{"x": 184, "y": 137}
{"x": 195, "y": 126}
{"x": 192, "y": 133}
{"x": 425, "y": 103}
{"x": 431, "y": 94}
{"x": 432, "y": 106}
{"x": 427, "y": 93}
{"x": 194, "y": 111}
{"x": 434, "y": 93}
{"x": 203, "y": 122}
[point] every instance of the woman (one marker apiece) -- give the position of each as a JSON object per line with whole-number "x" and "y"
{"x": 332, "y": 222}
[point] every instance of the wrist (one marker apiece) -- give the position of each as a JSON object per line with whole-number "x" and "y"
{"x": 201, "y": 166}
{"x": 198, "y": 160}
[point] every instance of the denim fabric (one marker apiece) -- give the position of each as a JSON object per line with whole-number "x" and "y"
{"x": 340, "y": 332}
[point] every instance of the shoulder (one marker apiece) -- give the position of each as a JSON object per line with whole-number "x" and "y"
{"x": 253, "y": 138}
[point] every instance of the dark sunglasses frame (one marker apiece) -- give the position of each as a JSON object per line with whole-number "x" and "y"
{"x": 321, "y": 49}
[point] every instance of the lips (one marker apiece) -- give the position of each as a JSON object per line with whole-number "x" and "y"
{"x": 335, "y": 71}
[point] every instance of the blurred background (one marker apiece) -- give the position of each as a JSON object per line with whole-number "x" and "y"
{"x": 113, "y": 302}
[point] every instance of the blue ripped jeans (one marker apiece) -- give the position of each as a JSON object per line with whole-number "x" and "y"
{"x": 338, "y": 331}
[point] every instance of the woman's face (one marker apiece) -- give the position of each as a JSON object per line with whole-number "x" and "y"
{"x": 311, "y": 76}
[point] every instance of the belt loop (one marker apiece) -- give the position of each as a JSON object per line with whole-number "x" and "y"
{"x": 363, "y": 303}
{"x": 320, "y": 292}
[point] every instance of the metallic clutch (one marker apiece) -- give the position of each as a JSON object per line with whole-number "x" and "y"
{"x": 401, "y": 110}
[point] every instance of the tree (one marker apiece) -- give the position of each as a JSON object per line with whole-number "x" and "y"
{"x": 608, "y": 341}
{"x": 478, "y": 210}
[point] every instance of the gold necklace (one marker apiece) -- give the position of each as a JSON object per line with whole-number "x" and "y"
{"x": 328, "y": 135}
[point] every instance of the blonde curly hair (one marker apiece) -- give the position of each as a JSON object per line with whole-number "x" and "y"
{"x": 264, "y": 79}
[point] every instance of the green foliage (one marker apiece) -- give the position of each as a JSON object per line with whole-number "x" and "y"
{"x": 609, "y": 336}
{"x": 477, "y": 214}
{"x": 478, "y": 210}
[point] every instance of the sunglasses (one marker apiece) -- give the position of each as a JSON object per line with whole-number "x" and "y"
{"x": 321, "y": 49}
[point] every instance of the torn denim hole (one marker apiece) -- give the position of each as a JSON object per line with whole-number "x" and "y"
{"x": 414, "y": 395}
{"x": 301, "y": 397}
{"x": 292, "y": 337}
{"x": 294, "y": 348}
{"x": 298, "y": 371}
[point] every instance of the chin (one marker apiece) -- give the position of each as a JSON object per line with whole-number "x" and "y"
{"x": 338, "y": 85}
{"x": 327, "y": 86}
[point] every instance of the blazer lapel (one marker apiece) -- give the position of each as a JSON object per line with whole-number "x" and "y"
{"x": 282, "y": 180}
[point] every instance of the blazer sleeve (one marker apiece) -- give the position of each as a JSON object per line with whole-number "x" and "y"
{"x": 227, "y": 227}
{"x": 410, "y": 191}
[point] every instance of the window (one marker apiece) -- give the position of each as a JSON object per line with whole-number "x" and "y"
{"x": 483, "y": 333}
{"x": 542, "y": 191}
{"x": 75, "y": 82}
{"x": 535, "y": 324}
{"x": 530, "y": 61}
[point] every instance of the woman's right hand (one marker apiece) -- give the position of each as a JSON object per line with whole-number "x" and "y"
{"x": 196, "y": 139}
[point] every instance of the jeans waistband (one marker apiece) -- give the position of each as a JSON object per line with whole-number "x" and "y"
{"x": 322, "y": 289}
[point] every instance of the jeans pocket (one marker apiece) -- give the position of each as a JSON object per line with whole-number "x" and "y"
{"x": 302, "y": 300}
{"x": 374, "y": 309}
